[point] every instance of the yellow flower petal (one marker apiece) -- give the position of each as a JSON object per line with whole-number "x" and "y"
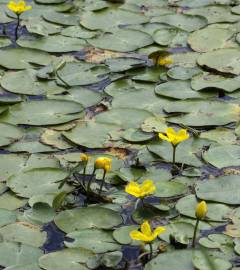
{"x": 163, "y": 137}
{"x": 148, "y": 187}
{"x": 136, "y": 235}
{"x": 133, "y": 188}
{"x": 170, "y": 131}
{"x": 146, "y": 235}
{"x": 146, "y": 229}
{"x": 174, "y": 137}
{"x": 28, "y": 8}
{"x": 158, "y": 231}
{"x": 183, "y": 135}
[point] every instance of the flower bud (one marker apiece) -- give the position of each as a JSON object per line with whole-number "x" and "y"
{"x": 84, "y": 157}
{"x": 201, "y": 210}
{"x": 99, "y": 163}
{"x": 103, "y": 163}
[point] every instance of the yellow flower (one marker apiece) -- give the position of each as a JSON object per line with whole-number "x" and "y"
{"x": 84, "y": 157}
{"x": 146, "y": 234}
{"x": 164, "y": 61}
{"x": 103, "y": 163}
{"x": 174, "y": 137}
{"x": 201, "y": 210}
{"x": 141, "y": 191}
{"x": 18, "y": 7}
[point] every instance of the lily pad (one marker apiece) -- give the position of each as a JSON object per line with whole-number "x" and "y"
{"x": 97, "y": 241}
{"x": 122, "y": 40}
{"x": 184, "y": 154}
{"x": 9, "y": 134}
{"x": 208, "y": 81}
{"x": 85, "y": 134}
{"x": 37, "y": 181}
{"x": 11, "y": 164}
{"x": 214, "y": 13}
{"x": 73, "y": 258}
{"x": 185, "y": 22}
{"x": 172, "y": 37}
{"x": 80, "y": 73}
{"x": 7, "y": 217}
{"x": 224, "y": 189}
{"x": 223, "y": 156}
{"x": 24, "y": 233}
{"x": 166, "y": 189}
{"x": 10, "y": 201}
{"x": 29, "y": 83}
{"x": 4, "y": 42}
{"x": 19, "y": 58}
{"x": 109, "y": 18}
{"x": 203, "y": 113}
{"x": 210, "y": 39}
{"x": 179, "y": 259}
{"x": 45, "y": 112}
{"x": 78, "y": 32}
{"x": 87, "y": 218}
{"x": 179, "y": 90}
{"x": 222, "y": 60}
{"x": 18, "y": 254}
{"x": 124, "y": 117}
{"x": 121, "y": 235}
{"x": 55, "y": 44}
{"x": 216, "y": 211}
{"x": 85, "y": 97}
{"x": 61, "y": 18}
{"x": 154, "y": 124}
{"x": 181, "y": 73}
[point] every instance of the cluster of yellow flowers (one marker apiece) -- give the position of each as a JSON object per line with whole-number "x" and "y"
{"x": 101, "y": 163}
{"x": 18, "y": 7}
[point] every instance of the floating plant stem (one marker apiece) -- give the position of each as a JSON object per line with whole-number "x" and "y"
{"x": 103, "y": 180}
{"x": 151, "y": 251}
{"x": 195, "y": 233}
{"x": 17, "y": 26}
{"x": 90, "y": 180}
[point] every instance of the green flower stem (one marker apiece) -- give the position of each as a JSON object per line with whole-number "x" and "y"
{"x": 16, "y": 29}
{"x": 90, "y": 181}
{"x": 174, "y": 156}
{"x": 151, "y": 251}
{"x": 84, "y": 174}
{"x": 195, "y": 233}
{"x": 174, "y": 169}
{"x": 103, "y": 180}
{"x": 142, "y": 200}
